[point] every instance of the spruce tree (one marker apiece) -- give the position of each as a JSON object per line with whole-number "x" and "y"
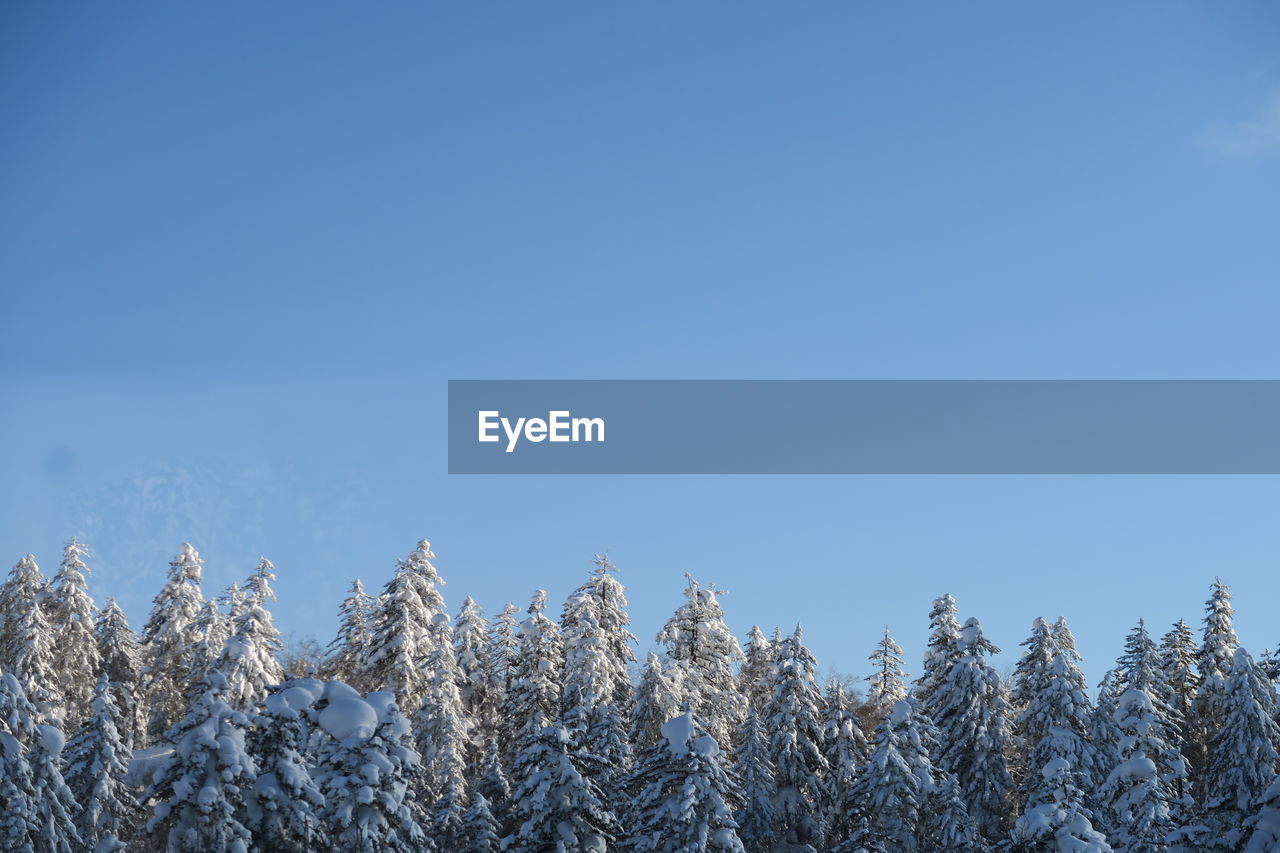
{"x": 491, "y": 781}
{"x": 1056, "y": 725}
{"x": 948, "y": 825}
{"x": 1060, "y": 823}
{"x": 683, "y": 798}
{"x": 168, "y": 641}
{"x": 1264, "y": 825}
{"x": 23, "y": 589}
{"x": 555, "y": 806}
{"x": 504, "y": 638}
{"x": 480, "y": 830}
{"x": 250, "y": 656}
{"x": 200, "y": 788}
{"x": 943, "y": 651}
{"x": 1136, "y": 796}
{"x": 32, "y": 658}
{"x": 600, "y": 603}
{"x": 698, "y": 640}
{"x": 1178, "y": 656}
{"x": 793, "y": 717}
{"x": 411, "y": 619}
{"x": 658, "y": 698}
{"x": 889, "y": 678}
{"x": 887, "y": 804}
{"x": 443, "y": 734}
{"x": 119, "y": 660}
{"x": 972, "y": 719}
{"x": 846, "y": 750}
{"x": 72, "y": 614}
{"x": 477, "y": 682}
{"x": 346, "y": 657}
{"x": 282, "y": 808}
{"x": 95, "y": 763}
{"x": 758, "y": 817}
{"x": 533, "y": 698}
{"x": 755, "y": 676}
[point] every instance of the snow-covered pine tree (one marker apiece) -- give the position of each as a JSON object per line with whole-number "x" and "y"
{"x": 948, "y": 825}
{"x": 1135, "y": 796}
{"x": 168, "y": 641}
{"x": 346, "y": 656}
{"x": 282, "y": 808}
{"x": 658, "y": 698}
{"x": 683, "y": 798}
{"x": 943, "y": 650}
{"x": 1104, "y": 730}
{"x": 1213, "y": 664}
{"x": 974, "y": 737}
{"x": 71, "y": 616}
{"x": 249, "y": 658}
{"x": 199, "y": 789}
{"x": 36, "y": 807}
{"x": 793, "y": 718}
{"x": 491, "y": 781}
{"x": 555, "y": 806}
{"x": 32, "y": 658}
{"x": 411, "y": 619}
{"x": 698, "y": 640}
{"x": 480, "y": 830}
{"x": 758, "y": 817}
{"x": 887, "y": 803}
{"x": 1055, "y": 724}
{"x": 755, "y": 676}
{"x": 119, "y": 660}
{"x": 1032, "y": 669}
{"x": 1264, "y": 825}
{"x": 533, "y": 696}
{"x": 1178, "y": 656}
{"x": 504, "y": 637}
{"x": 95, "y": 763}
{"x": 23, "y": 589}
{"x": 1244, "y": 752}
{"x": 364, "y": 771}
{"x": 595, "y": 668}
{"x": 443, "y": 735}
{"x": 477, "y": 684}
{"x": 846, "y": 750}
{"x": 209, "y": 634}
{"x": 889, "y": 678}
{"x": 1061, "y": 823}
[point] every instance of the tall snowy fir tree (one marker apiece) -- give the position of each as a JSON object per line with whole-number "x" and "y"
{"x": 698, "y": 640}
{"x": 491, "y": 779}
{"x": 888, "y": 678}
{"x": 504, "y": 637}
{"x": 95, "y": 763}
{"x": 443, "y": 734}
{"x": 682, "y": 797}
{"x": 971, "y": 714}
{"x": 601, "y": 601}
{"x": 481, "y": 832}
{"x": 250, "y": 656}
{"x": 1102, "y": 727}
{"x": 943, "y": 651}
{"x": 22, "y": 590}
{"x": 533, "y": 695}
{"x": 758, "y": 818}
{"x": 555, "y": 806}
{"x": 365, "y": 768}
{"x": 33, "y": 659}
{"x": 658, "y": 697}
{"x": 1263, "y": 826}
{"x": 167, "y": 641}
{"x": 209, "y": 634}
{"x": 1178, "y": 656}
{"x": 1136, "y": 799}
{"x": 1032, "y": 669}
{"x": 1061, "y": 822}
{"x": 1243, "y": 752}
{"x": 477, "y": 682}
{"x": 793, "y": 718}
{"x": 846, "y": 750}
{"x": 755, "y": 676}
{"x": 410, "y": 620}
{"x": 1213, "y": 663}
{"x": 119, "y": 659}
{"x": 347, "y": 656}
{"x": 282, "y": 808}
{"x": 199, "y": 790}
{"x": 1056, "y": 725}
{"x": 71, "y": 616}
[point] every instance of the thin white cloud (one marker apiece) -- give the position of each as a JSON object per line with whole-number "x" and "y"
{"x": 1255, "y": 137}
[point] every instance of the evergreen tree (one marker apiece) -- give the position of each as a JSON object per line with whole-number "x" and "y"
{"x": 683, "y": 798}
{"x": 1178, "y": 656}
{"x": 168, "y": 641}
{"x": 1264, "y": 825}
{"x": 72, "y": 613}
{"x": 974, "y": 737}
{"x": 755, "y": 677}
{"x": 480, "y": 830}
{"x": 948, "y": 825}
{"x": 793, "y": 717}
{"x": 119, "y": 660}
{"x": 95, "y": 764}
{"x": 943, "y": 651}
{"x": 347, "y": 655}
{"x": 1032, "y": 670}
{"x": 199, "y": 789}
{"x": 477, "y": 684}
{"x": 1136, "y": 796}
{"x": 282, "y": 807}
{"x": 442, "y": 731}
{"x": 411, "y": 619}
{"x": 32, "y": 658}
{"x": 889, "y": 680}
{"x": 555, "y": 806}
{"x": 1056, "y": 722}
{"x": 657, "y": 699}
{"x": 1061, "y": 823}
{"x": 491, "y": 781}
{"x": 758, "y": 818}
{"x": 1213, "y": 664}
{"x": 365, "y": 767}
{"x": 24, "y": 589}
{"x": 1103, "y": 728}
{"x": 504, "y": 638}
{"x": 36, "y": 807}
{"x": 887, "y": 802}
{"x": 846, "y": 750}
{"x": 598, "y": 609}
{"x": 1244, "y": 752}
{"x": 533, "y": 697}
{"x": 209, "y": 634}
{"x": 698, "y": 640}
{"x": 249, "y": 658}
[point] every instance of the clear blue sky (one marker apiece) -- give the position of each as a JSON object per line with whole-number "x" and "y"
{"x": 243, "y": 247}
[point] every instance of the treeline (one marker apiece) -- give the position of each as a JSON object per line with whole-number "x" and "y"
{"x": 527, "y": 733}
